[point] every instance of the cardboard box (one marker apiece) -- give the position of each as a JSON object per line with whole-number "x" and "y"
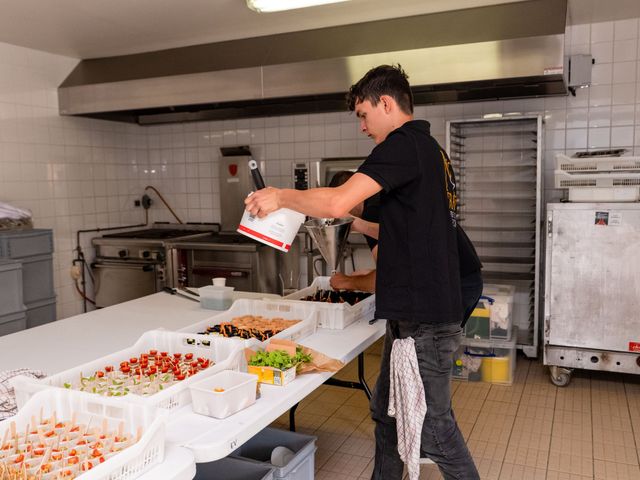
{"x": 273, "y": 376}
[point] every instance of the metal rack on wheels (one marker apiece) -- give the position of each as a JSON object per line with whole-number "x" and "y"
{"x": 497, "y": 162}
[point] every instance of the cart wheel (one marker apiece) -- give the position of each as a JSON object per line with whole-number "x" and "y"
{"x": 560, "y": 377}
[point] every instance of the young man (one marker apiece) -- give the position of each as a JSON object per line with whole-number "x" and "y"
{"x": 418, "y": 281}
{"x": 366, "y": 221}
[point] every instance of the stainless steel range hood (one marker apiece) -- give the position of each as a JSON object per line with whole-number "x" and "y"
{"x": 503, "y": 51}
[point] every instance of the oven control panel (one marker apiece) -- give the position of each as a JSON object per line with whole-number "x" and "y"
{"x": 301, "y": 176}
{"x": 149, "y": 254}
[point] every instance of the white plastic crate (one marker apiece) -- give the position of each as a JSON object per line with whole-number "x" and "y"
{"x": 597, "y": 164}
{"x": 334, "y": 315}
{"x": 268, "y": 309}
{"x": 238, "y": 392}
{"x": 596, "y": 179}
{"x": 595, "y": 194}
{"x": 224, "y": 353}
{"x": 127, "y": 464}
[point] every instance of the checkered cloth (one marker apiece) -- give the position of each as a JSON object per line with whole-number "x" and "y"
{"x": 407, "y": 402}
{"x": 8, "y": 405}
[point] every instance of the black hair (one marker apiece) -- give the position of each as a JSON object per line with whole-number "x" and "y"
{"x": 382, "y": 80}
{"x": 340, "y": 178}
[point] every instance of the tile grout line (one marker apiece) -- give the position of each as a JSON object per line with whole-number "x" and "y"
{"x": 514, "y": 419}
{"x": 553, "y": 421}
{"x": 593, "y": 443}
{"x": 635, "y": 441}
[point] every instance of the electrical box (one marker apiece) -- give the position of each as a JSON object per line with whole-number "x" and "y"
{"x": 579, "y": 70}
{"x": 301, "y": 176}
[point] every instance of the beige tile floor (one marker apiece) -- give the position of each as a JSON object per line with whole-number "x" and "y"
{"x": 531, "y": 430}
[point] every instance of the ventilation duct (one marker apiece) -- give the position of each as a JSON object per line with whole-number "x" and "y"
{"x": 511, "y": 50}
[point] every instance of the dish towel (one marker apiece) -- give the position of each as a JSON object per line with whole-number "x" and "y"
{"x": 407, "y": 402}
{"x": 8, "y": 405}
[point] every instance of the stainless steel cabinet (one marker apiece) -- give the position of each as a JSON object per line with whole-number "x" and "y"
{"x": 592, "y": 266}
{"x": 499, "y": 174}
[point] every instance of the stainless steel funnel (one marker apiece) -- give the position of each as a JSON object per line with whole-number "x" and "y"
{"x": 330, "y": 234}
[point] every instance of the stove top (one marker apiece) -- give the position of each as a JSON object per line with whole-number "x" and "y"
{"x": 153, "y": 234}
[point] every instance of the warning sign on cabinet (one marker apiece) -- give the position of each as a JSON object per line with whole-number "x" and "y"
{"x": 608, "y": 218}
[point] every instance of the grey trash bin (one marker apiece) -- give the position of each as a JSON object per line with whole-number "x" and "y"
{"x": 233, "y": 469}
{"x": 300, "y": 467}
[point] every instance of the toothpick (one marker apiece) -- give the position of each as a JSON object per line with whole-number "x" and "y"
{"x": 45, "y": 459}
{"x": 88, "y": 425}
{"x": 42, "y": 438}
{"x": 14, "y": 434}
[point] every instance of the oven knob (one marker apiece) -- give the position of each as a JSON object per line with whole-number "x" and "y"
{"x": 146, "y": 254}
{"x": 123, "y": 253}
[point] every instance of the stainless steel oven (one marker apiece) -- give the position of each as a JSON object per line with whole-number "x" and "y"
{"x": 247, "y": 265}
{"x": 132, "y": 264}
{"x": 117, "y": 282}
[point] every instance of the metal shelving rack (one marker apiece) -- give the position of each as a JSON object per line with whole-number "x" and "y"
{"x": 499, "y": 173}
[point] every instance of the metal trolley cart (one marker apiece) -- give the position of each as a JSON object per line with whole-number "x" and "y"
{"x": 592, "y": 288}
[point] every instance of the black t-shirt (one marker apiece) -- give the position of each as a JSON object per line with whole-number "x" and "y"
{"x": 371, "y": 213}
{"x": 468, "y": 257}
{"x": 469, "y": 260}
{"x": 418, "y": 273}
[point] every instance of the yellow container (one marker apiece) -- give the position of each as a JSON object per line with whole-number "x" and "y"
{"x": 496, "y": 369}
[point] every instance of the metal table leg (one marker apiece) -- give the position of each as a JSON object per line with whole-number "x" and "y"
{"x": 292, "y": 417}
{"x": 361, "y": 384}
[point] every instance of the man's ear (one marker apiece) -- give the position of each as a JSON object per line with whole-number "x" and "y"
{"x": 387, "y": 102}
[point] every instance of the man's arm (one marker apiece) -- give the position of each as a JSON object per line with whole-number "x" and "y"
{"x": 316, "y": 202}
{"x": 363, "y": 283}
{"x": 370, "y": 229}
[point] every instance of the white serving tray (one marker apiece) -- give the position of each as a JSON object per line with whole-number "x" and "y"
{"x": 226, "y": 355}
{"x": 334, "y": 315}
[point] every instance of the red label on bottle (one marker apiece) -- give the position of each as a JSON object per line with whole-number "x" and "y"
{"x": 634, "y": 346}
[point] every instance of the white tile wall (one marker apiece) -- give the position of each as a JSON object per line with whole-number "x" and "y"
{"x": 71, "y": 173}
{"x": 80, "y": 173}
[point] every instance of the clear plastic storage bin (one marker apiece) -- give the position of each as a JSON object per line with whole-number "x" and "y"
{"x": 216, "y": 297}
{"x": 493, "y": 316}
{"x": 299, "y": 467}
{"x": 492, "y": 361}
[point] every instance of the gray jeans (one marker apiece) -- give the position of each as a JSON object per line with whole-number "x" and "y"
{"x": 442, "y": 440}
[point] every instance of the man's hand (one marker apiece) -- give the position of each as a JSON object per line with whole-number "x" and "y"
{"x": 263, "y": 202}
{"x": 340, "y": 281}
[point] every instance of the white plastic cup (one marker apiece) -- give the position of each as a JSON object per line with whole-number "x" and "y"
{"x": 219, "y": 281}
